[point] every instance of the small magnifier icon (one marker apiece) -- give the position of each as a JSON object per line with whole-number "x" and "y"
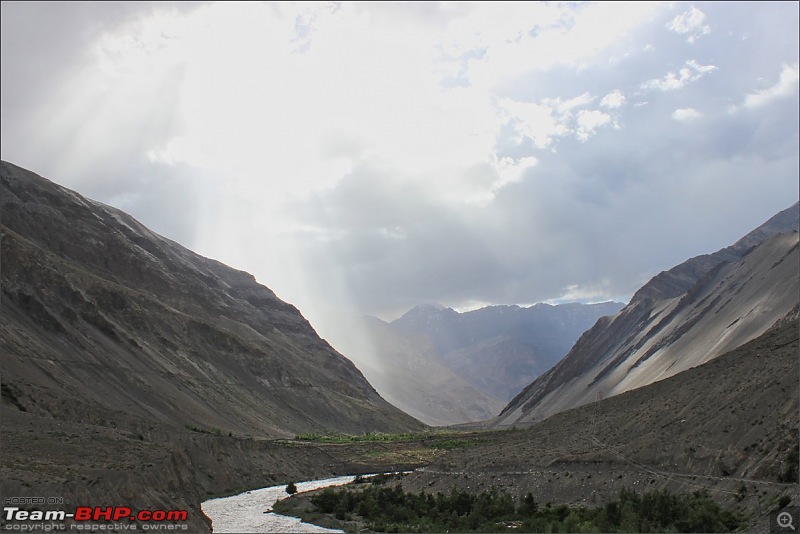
{"x": 785, "y": 520}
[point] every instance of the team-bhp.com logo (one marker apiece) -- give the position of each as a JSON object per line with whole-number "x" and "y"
{"x": 84, "y": 518}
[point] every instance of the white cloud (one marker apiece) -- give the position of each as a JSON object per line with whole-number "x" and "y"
{"x": 700, "y": 69}
{"x": 566, "y": 107}
{"x": 589, "y": 121}
{"x": 543, "y": 122}
{"x": 587, "y": 294}
{"x": 686, "y": 114}
{"x": 533, "y": 121}
{"x": 785, "y": 86}
{"x": 613, "y": 100}
{"x": 511, "y": 171}
{"x": 691, "y": 22}
{"x": 692, "y": 72}
{"x": 390, "y": 152}
{"x": 523, "y": 37}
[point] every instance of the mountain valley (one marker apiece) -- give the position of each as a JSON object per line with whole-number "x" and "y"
{"x": 138, "y": 373}
{"x": 135, "y": 370}
{"x": 445, "y": 367}
{"x": 728, "y": 427}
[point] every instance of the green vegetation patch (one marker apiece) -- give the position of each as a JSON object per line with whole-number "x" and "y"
{"x": 441, "y": 440}
{"x": 369, "y": 437}
{"x": 389, "y": 509}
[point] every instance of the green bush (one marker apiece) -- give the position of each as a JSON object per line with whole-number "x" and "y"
{"x": 390, "y": 509}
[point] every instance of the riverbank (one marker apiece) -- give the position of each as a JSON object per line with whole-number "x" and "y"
{"x": 251, "y": 511}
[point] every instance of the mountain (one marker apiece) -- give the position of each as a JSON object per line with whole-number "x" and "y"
{"x": 103, "y": 312}
{"x": 409, "y": 373}
{"x": 505, "y": 347}
{"x": 682, "y": 318}
{"x": 728, "y": 426}
{"x": 500, "y": 349}
{"x": 446, "y": 367}
{"x": 154, "y": 373}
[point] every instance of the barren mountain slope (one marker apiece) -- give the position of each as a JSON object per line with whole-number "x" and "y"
{"x": 409, "y": 374}
{"x": 446, "y": 367}
{"x": 137, "y": 373}
{"x": 503, "y": 348}
{"x": 101, "y": 312}
{"x": 728, "y": 426}
{"x": 654, "y": 337}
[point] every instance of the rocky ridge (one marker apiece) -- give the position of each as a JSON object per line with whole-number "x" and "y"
{"x": 682, "y": 318}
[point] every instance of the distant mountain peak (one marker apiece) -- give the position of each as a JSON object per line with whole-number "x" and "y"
{"x": 429, "y": 306}
{"x": 424, "y": 311}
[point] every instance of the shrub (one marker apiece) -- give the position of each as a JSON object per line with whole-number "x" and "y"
{"x": 393, "y": 510}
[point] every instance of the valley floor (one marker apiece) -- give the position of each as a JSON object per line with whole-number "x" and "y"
{"x": 729, "y": 427}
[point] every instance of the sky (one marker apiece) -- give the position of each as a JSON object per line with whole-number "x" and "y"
{"x": 366, "y": 157}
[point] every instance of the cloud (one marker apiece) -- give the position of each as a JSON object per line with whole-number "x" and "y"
{"x": 524, "y": 37}
{"x": 686, "y": 114}
{"x": 786, "y": 86}
{"x": 370, "y": 156}
{"x": 589, "y": 121}
{"x": 565, "y": 108}
{"x": 691, "y": 72}
{"x": 536, "y": 122}
{"x": 613, "y": 100}
{"x": 691, "y": 22}
{"x": 544, "y": 122}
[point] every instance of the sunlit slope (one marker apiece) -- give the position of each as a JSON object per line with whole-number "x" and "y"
{"x": 729, "y": 425}
{"x": 674, "y": 323}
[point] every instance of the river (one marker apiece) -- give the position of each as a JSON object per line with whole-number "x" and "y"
{"x": 251, "y": 511}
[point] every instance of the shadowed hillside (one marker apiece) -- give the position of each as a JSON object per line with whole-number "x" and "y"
{"x": 124, "y": 353}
